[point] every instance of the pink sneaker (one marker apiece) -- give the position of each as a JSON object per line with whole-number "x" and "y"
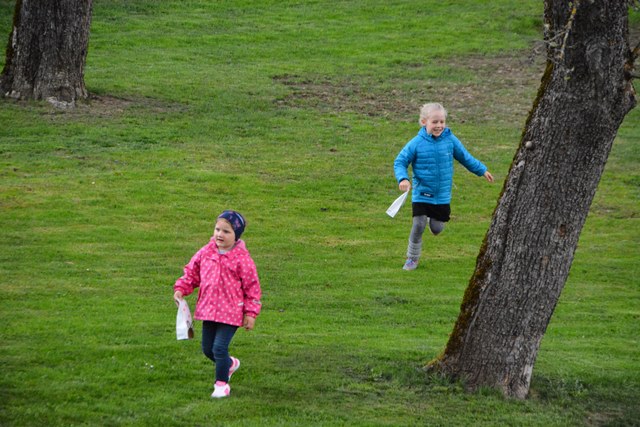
{"x": 235, "y": 364}
{"x": 221, "y": 389}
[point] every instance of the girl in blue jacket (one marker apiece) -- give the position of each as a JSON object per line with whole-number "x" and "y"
{"x": 431, "y": 155}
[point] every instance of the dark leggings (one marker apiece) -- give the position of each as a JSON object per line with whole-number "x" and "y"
{"x": 216, "y": 338}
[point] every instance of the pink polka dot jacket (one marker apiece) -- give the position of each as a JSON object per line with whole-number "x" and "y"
{"x": 229, "y": 285}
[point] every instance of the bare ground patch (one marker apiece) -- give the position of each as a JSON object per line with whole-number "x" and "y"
{"x": 104, "y": 106}
{"x": 107, "y": 105}
{"x": 500, "y": 88}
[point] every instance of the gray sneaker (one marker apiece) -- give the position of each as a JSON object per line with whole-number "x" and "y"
{"x": 410, "y": 264}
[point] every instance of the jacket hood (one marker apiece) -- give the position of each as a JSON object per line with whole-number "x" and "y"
{"x": 238, "y": 248}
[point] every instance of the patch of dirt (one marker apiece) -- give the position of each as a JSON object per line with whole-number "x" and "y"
{"x": 105, "y": 106}
{"x": 603, "y": 418}
{"x": 491, "y": 88}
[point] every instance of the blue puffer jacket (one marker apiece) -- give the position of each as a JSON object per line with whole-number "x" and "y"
{"x": 431, "y": 159}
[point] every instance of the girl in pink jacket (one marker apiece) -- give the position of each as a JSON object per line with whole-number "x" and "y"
{"x": 229, "y": 294}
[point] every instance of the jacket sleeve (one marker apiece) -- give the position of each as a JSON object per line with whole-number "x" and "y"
{"x": 472, "y": 164}
{"x": 191, "y": 277}
{"x": 401, "y": 165}
{"x": 250, "y": 287}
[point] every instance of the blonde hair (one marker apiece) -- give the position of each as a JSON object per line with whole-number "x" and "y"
{"x": 427, "y": 109}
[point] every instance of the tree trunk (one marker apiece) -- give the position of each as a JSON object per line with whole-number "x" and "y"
{"x": 47, "y": 51}
{"x": 524, "y": 261}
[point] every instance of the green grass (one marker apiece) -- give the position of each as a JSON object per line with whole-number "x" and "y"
{"x": 292, "y": 113}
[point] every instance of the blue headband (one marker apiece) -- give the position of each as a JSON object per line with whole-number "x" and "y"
{"x": 236, "y": 220}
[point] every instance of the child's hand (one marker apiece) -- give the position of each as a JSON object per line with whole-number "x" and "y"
{"x": 248, "y": 322}
{"x": 488, "y": 176}
{"x": 177, "y": 296}
{"x": 404, "y": 185}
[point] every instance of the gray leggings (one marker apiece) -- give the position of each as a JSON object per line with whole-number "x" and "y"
{"x": 415, "y": 238}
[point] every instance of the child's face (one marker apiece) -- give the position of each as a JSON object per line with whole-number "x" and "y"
{"x": 224, "y": 235}
{"x": 435, "y": 123}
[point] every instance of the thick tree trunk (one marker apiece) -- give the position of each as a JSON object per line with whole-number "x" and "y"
{"x": 524, "y": 262}
{"x": 47, "y": 51}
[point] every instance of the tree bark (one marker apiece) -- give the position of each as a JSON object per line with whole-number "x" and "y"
{"x": 523, "y": 264}
{"x": 47, "y": 50}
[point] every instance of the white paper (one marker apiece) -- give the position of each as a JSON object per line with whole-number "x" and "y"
{"x": 184, "y": 323}
{"x": 397, "y": 204}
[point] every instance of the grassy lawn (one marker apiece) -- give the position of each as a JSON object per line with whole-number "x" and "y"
{"x": 292, "y": 113}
